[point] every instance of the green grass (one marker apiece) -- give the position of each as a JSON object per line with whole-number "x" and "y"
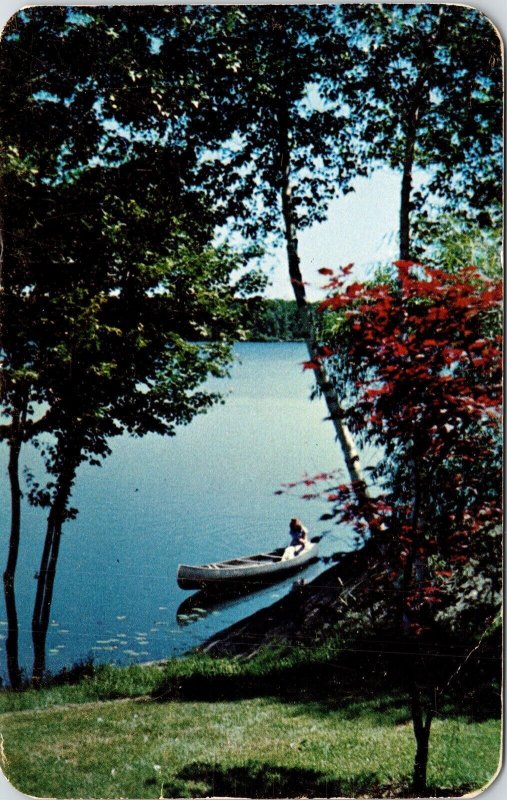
{"x": 105, "y": 683}
{"x": 197, "y": 674}
{"x": 287, "y": 723}
{"x": 257, "y": 747}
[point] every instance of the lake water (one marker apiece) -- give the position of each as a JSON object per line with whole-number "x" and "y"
{"x": 204, "y": 495}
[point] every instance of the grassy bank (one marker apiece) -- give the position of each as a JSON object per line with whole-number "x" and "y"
{"x": 286, "y": 671}
{"x": 259, "y": 747}
{"x": 279, "y": 725}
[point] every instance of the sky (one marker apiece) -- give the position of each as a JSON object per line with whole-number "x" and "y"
{"x": 361, "y": 228}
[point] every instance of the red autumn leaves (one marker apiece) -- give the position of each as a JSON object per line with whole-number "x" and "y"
{"x": 421, "y": 356}
{"x": 420, "y": 347}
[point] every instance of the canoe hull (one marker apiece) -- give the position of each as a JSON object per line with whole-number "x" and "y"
{"x": 225, "y": 574}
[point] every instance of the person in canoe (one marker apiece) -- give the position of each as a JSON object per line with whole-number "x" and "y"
{"x": 298, "y": 539}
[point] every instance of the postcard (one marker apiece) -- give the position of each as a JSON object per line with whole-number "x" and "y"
{"x": 251, "y": 400}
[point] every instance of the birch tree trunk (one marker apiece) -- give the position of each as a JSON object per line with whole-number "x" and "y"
{"x": 350, "y": 453}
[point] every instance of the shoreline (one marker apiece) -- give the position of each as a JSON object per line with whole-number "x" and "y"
{"x": 303, "y": 615}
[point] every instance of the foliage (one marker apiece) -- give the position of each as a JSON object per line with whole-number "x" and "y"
{"x": 422, "y": 357}
{"x": 281, "y": 56}
{"x": 419, "y": 360}
{"x": 433, "y": 72}
{"x": 273, "y": 319}
{"x": 110, "y": 278}
{"x": 453, "y": 244}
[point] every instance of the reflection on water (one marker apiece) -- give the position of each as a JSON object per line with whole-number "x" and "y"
{"x": 202, "y": 603}
{"x": 226, "y": 597}
{"x": 204, "y": 495}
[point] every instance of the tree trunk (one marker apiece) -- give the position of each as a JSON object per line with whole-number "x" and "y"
{"x": 406, "y": 183}
{"x": 422, "y": 727}
{"x": 414, "y": 574}
{"x": 410, "y": 569}
{"x": 47, "y": 570}
{"x": 417, "y": 104}
{"x": 350, "y": 453}
{"x": 44, "y": 596}
{"x": 11, "y": 644}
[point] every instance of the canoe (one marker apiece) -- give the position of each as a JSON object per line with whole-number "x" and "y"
{"x": 262, "y": 566}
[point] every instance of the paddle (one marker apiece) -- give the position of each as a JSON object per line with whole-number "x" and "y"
{"x": 316, "y": 539}
{"x": 332, "y": 558}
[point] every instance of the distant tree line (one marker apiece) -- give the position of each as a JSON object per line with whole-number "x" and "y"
{"x": 272, "y": 320}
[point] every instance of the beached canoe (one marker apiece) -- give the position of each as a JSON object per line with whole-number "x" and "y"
{"x": 260, "y": 567}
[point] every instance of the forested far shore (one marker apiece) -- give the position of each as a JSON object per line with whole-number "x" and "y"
{"x": 273, "y": 320}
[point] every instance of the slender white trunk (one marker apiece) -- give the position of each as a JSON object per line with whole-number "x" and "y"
{"x": 336, "y": 414}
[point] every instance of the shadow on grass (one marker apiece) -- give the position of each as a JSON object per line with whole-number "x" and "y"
{"x": 349, "y": 683}
{"x": 323, "y": 687}
{"x": 259, "y": 780}
{"x": 325, "y": 684}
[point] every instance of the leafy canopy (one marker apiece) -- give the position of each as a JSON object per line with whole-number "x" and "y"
{"x": 420, "y": 359}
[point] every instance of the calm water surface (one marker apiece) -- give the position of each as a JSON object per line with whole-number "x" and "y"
{"x": 204, "y": 495}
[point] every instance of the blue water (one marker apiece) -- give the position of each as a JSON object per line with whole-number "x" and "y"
{"x": 203, "y": 495}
